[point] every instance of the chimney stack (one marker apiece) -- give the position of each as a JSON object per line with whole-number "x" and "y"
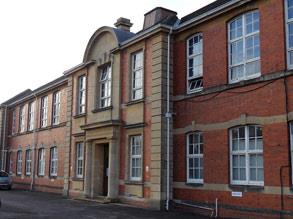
{"x": 123, "y": 24}
{"x": 159, "y": 15}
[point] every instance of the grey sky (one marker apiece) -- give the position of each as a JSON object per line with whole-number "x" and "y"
{"x": 42, "y": 38}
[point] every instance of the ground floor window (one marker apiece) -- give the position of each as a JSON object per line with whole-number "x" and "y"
{"x": 41, "y": 162}
{"x": 19, "y": 163}
{"x": 10, "y": 163}
{"x": 194, "y": 157}
{"x": 246, "y": 155}
{"x": 135, "y": 157}
{"x": 28, "y": 162}
{"x": 79, "y": 160}
{"x": 53, "y": 161}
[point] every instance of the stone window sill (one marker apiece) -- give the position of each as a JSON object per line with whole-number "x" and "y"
{"x": 102, "y": 109}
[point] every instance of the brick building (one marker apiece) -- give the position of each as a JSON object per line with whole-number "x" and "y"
{"x": 196, "y": 110}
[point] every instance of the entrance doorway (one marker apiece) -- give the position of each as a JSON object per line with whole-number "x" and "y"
{"x": 106, "y": 170}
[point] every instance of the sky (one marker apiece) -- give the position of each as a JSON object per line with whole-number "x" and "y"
{"x": 40, "y": 39}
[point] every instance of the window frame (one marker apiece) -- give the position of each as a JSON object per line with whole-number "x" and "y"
{"x": 247, "y": 152}
{"x": 19, "y": 162}
{"x": 288, "y": 49}
{"x": 188, "y": 57}
{"x": 194, "y": 155}
{"x": 53, "y": 161}
{"x": 44, "y": 112}
{"x": 56, "y": 108}
{"x": 31, "y": 116}
{"x": 243, "y": 38}
{"x": 79, "y": 160}
{"x": 135, "y": 70}
{"x": 28, "y": 162}
{"x": 13, "y": 125}
{"x": 291, "y": 149}
{"x": 136, "y": 156}
{"x": 22, "y": 119}
{"x": 107, "y": 82}
{"x": 41, "y": 162}
{"x": 81, "y": 96}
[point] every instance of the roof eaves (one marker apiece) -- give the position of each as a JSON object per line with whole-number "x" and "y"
{"x": 210, "y": 13}
{"x": 78, "y": 67}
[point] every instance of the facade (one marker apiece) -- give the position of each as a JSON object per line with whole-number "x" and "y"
{"x": 189, "y": 112}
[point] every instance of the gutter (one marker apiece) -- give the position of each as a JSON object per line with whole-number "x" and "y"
{"x": 213, "y": 12}
{"x": 3, "y": 139}
{"x": 178, "y": 28}
{"x": 78, "y": 67}
{"x": 142, "y": 35}
{"x": 51, "y": 87}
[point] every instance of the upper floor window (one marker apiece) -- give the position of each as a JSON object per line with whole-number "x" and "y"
{"x": 53, "y": 161}
{"x": 246, "y": 155}
{"x": 194, "y": 157}
{"x": 22, "y": 119}
{"x": 137, "y": 76}
{"x": 244, "y": 47}
{"x": 31, "y": 115}
{"x": 136, "y": 157}
{"x": 194, "y": 63}
{"x": 44, "y": 111}
{"x": 289, "y": 21}
{"x": 13, "y": 130}
{"x": 19, "y": 163}
{"x": 28, "y": 162}
{"x": 81, "y": 94}
{"x": 105, "y": 87}
{"x": 79, "y": 160}
{"x": 56, "y": 108}
{"x": 41, "y": 162}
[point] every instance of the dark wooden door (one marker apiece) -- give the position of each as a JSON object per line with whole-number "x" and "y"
{"x": 106, "y": 170}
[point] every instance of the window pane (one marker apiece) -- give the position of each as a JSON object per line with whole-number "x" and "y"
{"x": 237, "y": 52}
{"x": 290, "y": 9}
{"x": 252, "y": 47}
{"x": 236, "y": 28}
{"x": 252, "y": 22}
{"x": 253, "y": 174}
{"x": 242, "y": 174}
{"x": 253, "y": 68}
{"x": 237, "y": 72}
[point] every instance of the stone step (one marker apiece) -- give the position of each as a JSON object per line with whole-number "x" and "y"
{"x": 98, "y": 199}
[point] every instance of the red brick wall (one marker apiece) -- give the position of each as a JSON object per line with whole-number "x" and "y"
{"x": 215, "y": 54}
{"x": 258, "y": 100}
{"x": 47, "y": 138}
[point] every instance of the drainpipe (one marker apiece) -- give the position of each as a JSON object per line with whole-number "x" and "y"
{"x": 169, "y": 117}
{"x": 34, "y": 146}
{"x": 3, "y": 139}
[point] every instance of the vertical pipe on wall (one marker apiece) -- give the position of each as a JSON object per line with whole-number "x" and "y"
{"x": 168, "y": 116}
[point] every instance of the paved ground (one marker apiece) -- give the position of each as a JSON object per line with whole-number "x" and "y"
{"x": 30, "y": 205}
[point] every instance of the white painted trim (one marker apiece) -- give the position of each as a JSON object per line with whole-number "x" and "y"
{"x": 246, "y": 154}
{"x": 245, "y": 62}
{"x": 188, "y": 180}
{"x": 187, "y": 64}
